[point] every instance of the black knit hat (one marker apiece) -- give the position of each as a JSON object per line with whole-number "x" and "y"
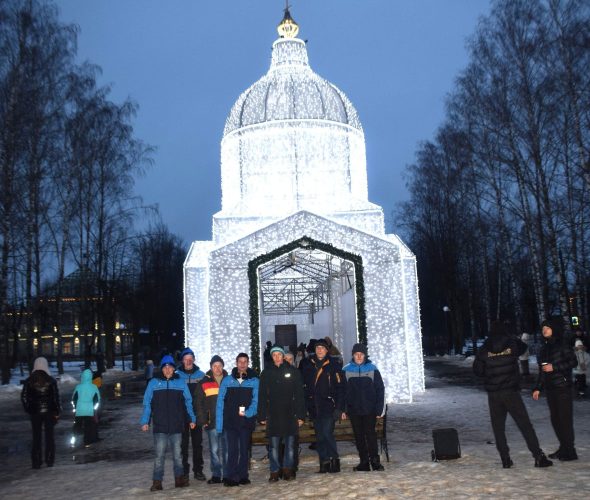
{"x": 216, "y": 359}
{"x": 359, "y": 348}
{"x": 321, "y": 342}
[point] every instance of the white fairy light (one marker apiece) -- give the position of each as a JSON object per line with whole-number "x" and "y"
{"x": 293, "y": 165}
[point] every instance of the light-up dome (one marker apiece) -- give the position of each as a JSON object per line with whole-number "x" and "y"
{"x": 292, "y": 141}
{"x": 291, "y": 91}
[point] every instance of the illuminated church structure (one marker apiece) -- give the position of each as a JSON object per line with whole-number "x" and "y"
{"x": 298, "y": 251}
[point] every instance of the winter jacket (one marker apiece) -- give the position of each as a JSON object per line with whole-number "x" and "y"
{"x": 563, "y": 359}
{"x": 167, "y": 402}
{"x": 85, "y": 395}
{"x": 191, "y": 378}
{"x": 205, "y": 402}
{"x": 280, "y": 399}
{"x": 583, "y": 360}
{"x": 232, "y": 395}
{"x": 365, "y": 392}
{"x": 497, "y": 362}
{"x": 40, "y": 395}
{"x": 324, "y": 387}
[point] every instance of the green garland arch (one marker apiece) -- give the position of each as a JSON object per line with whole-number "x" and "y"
{"x": 304, "y": 242}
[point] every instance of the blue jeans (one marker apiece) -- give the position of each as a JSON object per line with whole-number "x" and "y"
{"x": 324, "y": 433}
{"x": 288, "y": 456}
{"x": 217, "y": 451}
{"x": 161, "y": 442}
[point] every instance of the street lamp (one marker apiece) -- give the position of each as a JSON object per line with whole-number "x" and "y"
{"x": 446, "y": 311}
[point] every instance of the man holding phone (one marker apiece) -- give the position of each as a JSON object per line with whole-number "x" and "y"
{"x": 237, "y": 405}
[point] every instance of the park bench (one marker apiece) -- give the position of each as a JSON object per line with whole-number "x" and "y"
{"x": 342, "y": 432}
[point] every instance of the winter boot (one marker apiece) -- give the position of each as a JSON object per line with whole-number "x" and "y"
{"x": 507, "y": 462}
{"x": 156, "y": 485}
{"x": 274, "y": 477}
{"x": 288, "y": 474}
{"x": 362, "y": 467}
{"x": 181, "y": 481}
{"x": 555, "y": 454}
{"x": 568, "y": 455}
{"x": 542, "y": 461}
{"x": 214, "y": 480}
{"x": 376, "y": 464}
{"x": 199, "y": 476}
{"x": 325, "y": 467}
{"x": 334, "y": 465}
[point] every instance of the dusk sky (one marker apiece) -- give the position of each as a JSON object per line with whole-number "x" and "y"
{"x": 185, "y": 62}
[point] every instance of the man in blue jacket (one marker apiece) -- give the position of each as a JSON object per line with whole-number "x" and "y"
{"x": 237, "y": 404}
{"x": 166, "y": 402}
{"x": 365, "y": 396}
{"x": 191, "y": 375}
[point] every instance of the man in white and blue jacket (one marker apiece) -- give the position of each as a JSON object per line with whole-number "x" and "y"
{"x": 365, "y": 397}
{"x": 237, "y": 405}
{"x": 166, "y": 403}
{"x": 191, "y": 375}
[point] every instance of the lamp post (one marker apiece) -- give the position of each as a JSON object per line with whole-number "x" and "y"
{"x": 446, "y": 311}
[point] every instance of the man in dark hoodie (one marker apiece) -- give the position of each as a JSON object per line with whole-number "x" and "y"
{"x": 556, "y": 360}
{"x": 206, "y": 410}
{"x": 191, "y": 375}
{"x": 497, "y": 363}
{"x": 281, "y": 408}
{"x": 40, "y": 399}
{"x": 365, "y": 403}
{"x": 237, "y": 404}
{"x": 324, "y": 395}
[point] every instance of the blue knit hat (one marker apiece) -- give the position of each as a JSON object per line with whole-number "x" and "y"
{"x": 277, "y": 348}
{"x": 186, "y": 352}
{"x": 167, "y": 360}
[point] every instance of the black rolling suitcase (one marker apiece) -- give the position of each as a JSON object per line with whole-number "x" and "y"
{"x": 446, "y": 444}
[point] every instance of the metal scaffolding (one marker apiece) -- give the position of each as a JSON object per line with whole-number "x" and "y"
{"x": 300, "y": 282}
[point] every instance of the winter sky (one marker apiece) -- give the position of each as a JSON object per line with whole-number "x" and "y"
{"x": 185, "y": 62}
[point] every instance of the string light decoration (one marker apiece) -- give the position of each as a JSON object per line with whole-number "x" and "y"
{"x": 293, "y": 170}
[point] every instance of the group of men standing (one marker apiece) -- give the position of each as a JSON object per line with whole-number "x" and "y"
{"x": 183, "y": 402}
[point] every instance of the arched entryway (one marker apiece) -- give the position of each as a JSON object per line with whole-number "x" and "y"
{"x": 306, "y": 289}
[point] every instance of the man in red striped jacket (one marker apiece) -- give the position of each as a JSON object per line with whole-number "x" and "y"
{"x": 205, "y": 407}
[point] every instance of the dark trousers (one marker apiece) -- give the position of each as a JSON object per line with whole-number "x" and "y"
{"x": 38, "y": 422}
{"x": 580, "y": 382}
{"x": 195, "y": 436}
{"x": 238, "y": 453}
{"x": 561, "y": 409}
{"x": 324, "y": 434}
{"x": 87, "y": 427}
{"x": 502, "y": 403}
{"x": 365, "y": 437}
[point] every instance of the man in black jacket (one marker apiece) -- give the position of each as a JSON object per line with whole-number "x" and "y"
{"x": 556, "y": 361}
{"x": 281, "y": 408}
{"x": 497, "y": 362}
{"x": 40, "y": 398}
{"x": 324, "y": 395}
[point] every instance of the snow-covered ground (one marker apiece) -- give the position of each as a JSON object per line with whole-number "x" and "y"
{"x": 120, "y": 466}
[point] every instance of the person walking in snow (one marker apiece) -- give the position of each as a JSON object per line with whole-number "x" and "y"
{"x": 206, "y": 409}
{"x": 191, "y": 375}
{"x": 85, "y": 399}
{"x": 581, "y": 369}
{"x": 167, "y": 402}
{"x": 237, "y": 404}
{"x": 40, "y": 399}
{"x": 365, "y": 403}
{"x": 497, "y": 363}
{"x": 556, "y": 360}
{"x": 281, "y": 409}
